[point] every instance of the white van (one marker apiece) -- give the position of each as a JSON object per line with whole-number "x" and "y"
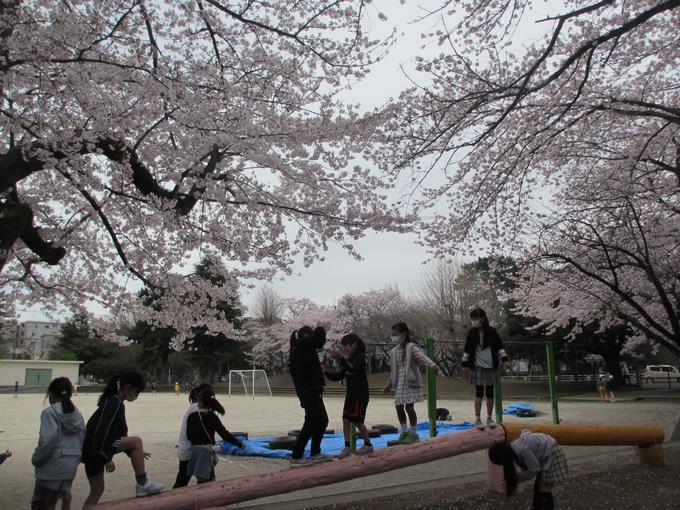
{"x": 661, "y": 373}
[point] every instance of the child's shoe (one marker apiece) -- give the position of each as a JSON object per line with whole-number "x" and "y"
{"x": 365, "y": 450}
{"x": 411, "y": 437}
{"x": 318, "y": 458}
{"x": 479, "y": 425}
{"x": 490, "y": 423}
{"x": 295, "y": 463}
{"x": 150, "y": 487}
{"x": 345, "y": 452}
{"x": 402, "y": 437}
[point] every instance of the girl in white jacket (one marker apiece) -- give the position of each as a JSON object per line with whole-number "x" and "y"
{"x": 56, "y": 458}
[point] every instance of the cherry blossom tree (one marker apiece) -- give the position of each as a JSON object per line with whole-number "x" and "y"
{"x": 568, "y": 147}
{"x": 139, "y": 136}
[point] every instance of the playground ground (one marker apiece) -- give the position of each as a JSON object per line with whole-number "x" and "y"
{"x": 157, "y": 417}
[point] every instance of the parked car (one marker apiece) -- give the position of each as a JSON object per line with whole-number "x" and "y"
{"x": 661, "y": 373}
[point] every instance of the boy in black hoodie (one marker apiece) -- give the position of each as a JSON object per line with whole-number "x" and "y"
{"x": 307, "y": 375}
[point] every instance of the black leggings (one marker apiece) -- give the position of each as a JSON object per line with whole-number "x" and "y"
{"x": 316, "y": 421}
{"x": 410, "y": 410}
{"x": 480, "y": 390}
{"x": 183, "y": 478}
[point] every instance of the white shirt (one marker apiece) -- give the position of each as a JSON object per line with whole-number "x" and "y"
{"x": 183, "y": 444}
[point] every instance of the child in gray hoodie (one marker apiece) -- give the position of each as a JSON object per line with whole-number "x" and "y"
{"x": 56, "y": 458}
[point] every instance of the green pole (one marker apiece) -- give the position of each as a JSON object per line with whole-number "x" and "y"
{"x": 552, "y": 381}
{"x": 353, "y": 437}
{"x": 431, "y": 390}
{"x": 498, "y": 397}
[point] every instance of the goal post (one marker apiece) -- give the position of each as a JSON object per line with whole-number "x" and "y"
{"x": 249, "y": 383}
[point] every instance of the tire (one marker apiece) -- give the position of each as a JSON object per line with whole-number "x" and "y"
{"x": 240, "y": 434}
{"x": 392, "y": 442}
{"x": 385, "y": 429}
{"x": 282, "y": 443}
{"x": 330, "y": 431}
{"x": 373, "y": 433}
{"x": 526, "y": 413}
{"x": 295, "y": 432}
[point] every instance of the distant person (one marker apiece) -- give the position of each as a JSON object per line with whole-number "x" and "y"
{"x": 107, "y": 435}
{"x": 538, "y": 455}
{"x": 154, "y": 387}
{"x": 625, "y": 372}
{"x": 353, "y": 368}
{"x": 183, "y": 443}
{"x": 482, "y": 356}
{"x": 609, "y": 388}
{"x": 60, "y": 442}
{"x": 5, "y": 456}
{"x": 406, "y": 380}
{"x": 602, "y": 386}
{"x": 178, "y": 389}
{"x": 201, "y": 427}
{"x": 16, "y": 389}
{"x": 305, "y": 369}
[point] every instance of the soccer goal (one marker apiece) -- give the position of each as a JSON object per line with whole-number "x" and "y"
{"x": 249, "y": 382}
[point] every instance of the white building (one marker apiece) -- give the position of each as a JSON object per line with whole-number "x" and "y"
{"x": 36, "y": 338}
{"x": 36, "y": 373}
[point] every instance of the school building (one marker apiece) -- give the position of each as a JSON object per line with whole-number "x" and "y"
{"x": 31, "y": 372}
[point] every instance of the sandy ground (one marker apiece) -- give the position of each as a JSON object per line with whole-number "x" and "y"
{"x": 156, "y": 419}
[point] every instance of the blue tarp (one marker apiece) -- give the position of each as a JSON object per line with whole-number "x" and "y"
{"x": 333, "y": 443}
{"x": 513, "y": 408}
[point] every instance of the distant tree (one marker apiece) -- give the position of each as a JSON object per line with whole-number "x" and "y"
{"x": 269, "y": 307}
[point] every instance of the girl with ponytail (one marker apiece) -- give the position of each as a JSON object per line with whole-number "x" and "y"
{"x": 200, "y": 431}
{"x": 107, "y": 435}
{"x": 538, "y": 455}
{"x": 56, "y": 458}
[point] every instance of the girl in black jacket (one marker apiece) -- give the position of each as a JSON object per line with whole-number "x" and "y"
{"x": 353, "y": 368}
{"x": 483, "y": 352}
{"x": 107, "y": 434}
{"x": 305, "y": 369}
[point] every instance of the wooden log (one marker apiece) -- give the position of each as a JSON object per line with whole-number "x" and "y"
{"x": 215, "y": 494}
{"x": 591, "y": 434}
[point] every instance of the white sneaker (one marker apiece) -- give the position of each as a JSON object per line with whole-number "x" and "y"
{"x": 365, "y": 450}
{"x": 150, "y": 487}
{"x": 479, "y": 425}
{"x": 490, "y": 423}
{"x": 345, "y": 452}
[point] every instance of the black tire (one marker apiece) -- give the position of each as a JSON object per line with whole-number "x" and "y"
{"x": 295, "y": 432}
{"x": 330, "y": 431}
{"x": 385, "y": 429}
{"x": 526, "y": 413}
{"x": 393, "y": 442}
{"x": 282, "y": 443}
{"x": 240, "y": 434}
{"x": 373, "y": 433}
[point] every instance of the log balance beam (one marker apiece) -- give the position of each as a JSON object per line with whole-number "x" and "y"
{"x": 236, "y": 490}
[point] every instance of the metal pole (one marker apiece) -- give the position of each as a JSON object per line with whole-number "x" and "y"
{"x": 498, "y": 397}
{"x": 353, "y": 437}
{"x": 552, "y": 381}
{"x": 431, "y": 390}
{"x": 253, "y": 384}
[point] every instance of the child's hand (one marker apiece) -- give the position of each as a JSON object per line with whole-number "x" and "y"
{"x": 437, "y": 370}
{"x": 387, "y": 389}
{"x": 147, "y": 455}
{"x": 507, "y": 365}
{"x": 8, "y": 453}
{"x": 110, "y": 466}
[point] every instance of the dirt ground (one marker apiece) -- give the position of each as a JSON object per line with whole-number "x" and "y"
{"x": 156, "y": 418}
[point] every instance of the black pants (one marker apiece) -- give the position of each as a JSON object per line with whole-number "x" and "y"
{"x": 316, "y": 421}
{"x": 183, "y": 478}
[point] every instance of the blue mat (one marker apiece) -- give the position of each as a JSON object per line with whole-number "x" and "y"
{"x": 513, "y": 408}
{"x": 332, "y": 443}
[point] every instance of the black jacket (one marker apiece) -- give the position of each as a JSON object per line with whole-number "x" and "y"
{"x": 491, "y": 339}
{"x": 201, "y": 428}
{"x": 106, "y": 426}
{"x": 305, "y": 368}
{"x": 353, "y": 369}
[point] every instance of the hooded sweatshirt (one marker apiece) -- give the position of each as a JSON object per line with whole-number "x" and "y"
{"x": 60, "y": 444}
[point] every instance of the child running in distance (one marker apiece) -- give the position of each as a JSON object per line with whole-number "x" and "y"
{"x": 56, "y": 458}
{"x": 482, "y": 354}
{"x": 305, "y": 369}
{"x": 107, "y": 435}
{"x": 177, "y": 389}
{"x": 201, "y": 427}
{"x": 406, "y": 380}
{"x": 183, "y": 443}
{"x": 353, "y": 368}
{"x": 538, "y": 455}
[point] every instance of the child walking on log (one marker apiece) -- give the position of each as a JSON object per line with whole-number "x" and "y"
{"x": 353, "y": 368}
{"x": 482, "y": 354}
{"x": 107, "y": 435}
{"x": 538, "y": 455}
{"x": 201, "y": 427}
{"x": 56, "y": 458}
{"x": 183, "y": 443}
{"x": 305, "y": 369}
{"x": 406, "y": 380}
